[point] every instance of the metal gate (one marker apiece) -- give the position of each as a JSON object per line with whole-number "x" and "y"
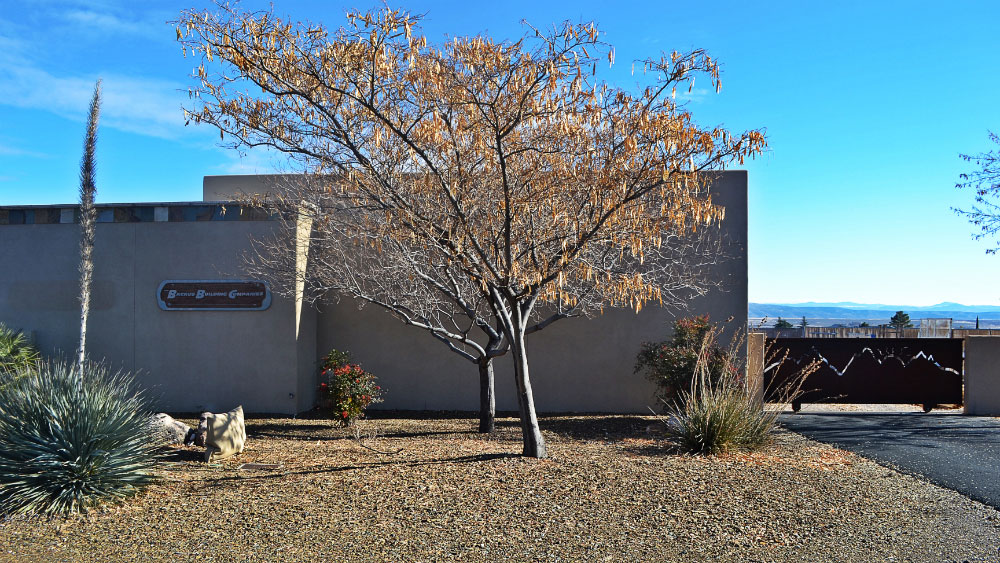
{"x": 923, "y": 371}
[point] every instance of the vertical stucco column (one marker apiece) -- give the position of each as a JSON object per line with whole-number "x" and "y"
{"x": 982, "y": 375}
{"x": 755, "y": 365}
{"x": 303, "y": 227}
{"x": 305, "y": 315}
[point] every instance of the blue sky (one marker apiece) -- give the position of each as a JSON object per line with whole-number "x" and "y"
{"x": 866, "y": 106}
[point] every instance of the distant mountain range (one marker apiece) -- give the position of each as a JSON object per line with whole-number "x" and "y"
{"x": 847, "y": 310}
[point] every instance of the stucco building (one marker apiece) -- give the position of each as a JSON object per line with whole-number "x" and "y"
{"x": 266, "y": 358}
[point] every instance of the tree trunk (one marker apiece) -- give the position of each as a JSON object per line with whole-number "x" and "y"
{"x": 487, "y": 398}
{"x": 534, "y": 444}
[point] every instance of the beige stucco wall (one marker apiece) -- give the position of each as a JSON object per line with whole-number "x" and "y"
{"x": 756, "y": 349}
{"x": 189, "y": 360}
{"x": 236, "y": 187}
{"x": 581, "y": 365}
{"x": 213, "y": 360}
{"x": 982, "y": 375}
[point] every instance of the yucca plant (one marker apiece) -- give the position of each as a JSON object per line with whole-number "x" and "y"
{"x": 71, "y": 439}
{"x": 88, "y": 217}
{"x": 16, "y": 353}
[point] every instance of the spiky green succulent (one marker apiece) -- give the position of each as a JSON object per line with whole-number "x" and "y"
{"x": 16, "y": 353}
{"x": 71, "y": 439}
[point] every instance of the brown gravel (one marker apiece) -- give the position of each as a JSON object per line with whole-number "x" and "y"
{"x": 608, "y": 493}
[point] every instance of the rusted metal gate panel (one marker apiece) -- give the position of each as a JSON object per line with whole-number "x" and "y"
{"x": 925, "y": 371}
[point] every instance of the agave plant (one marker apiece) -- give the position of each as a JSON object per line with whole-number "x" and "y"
{"x": 73, "y": 438}
{"x": 16, "y": 353}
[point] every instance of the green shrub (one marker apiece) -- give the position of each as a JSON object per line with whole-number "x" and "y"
{"x": 345, "y": 388}
{"x": 671, "y": 365}
{"x": 70, "y": 440}
{"x": 16, "y": 353}
{"x": 718, "y": 412}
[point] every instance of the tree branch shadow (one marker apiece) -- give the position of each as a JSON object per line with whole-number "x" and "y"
{"x": 279, "y": 474}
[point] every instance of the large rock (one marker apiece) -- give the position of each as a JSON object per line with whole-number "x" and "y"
{"x": 226, "y": 434}
{"x": 197, "y": 437}
{"x": 170, "y": 431}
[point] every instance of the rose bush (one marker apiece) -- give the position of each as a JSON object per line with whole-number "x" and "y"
{"x": 345, "y": 389}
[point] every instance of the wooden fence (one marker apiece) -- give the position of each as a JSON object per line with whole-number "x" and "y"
{"x": 864, "y": 332}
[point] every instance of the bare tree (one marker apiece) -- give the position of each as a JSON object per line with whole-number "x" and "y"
{"x": 985, "y": 181}
{"x": 543, "y": 189}
{"x": 420, "y": 291}
{"x": 88, "y": 217}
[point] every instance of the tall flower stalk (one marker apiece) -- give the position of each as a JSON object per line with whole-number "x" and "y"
{"x": 88, "y": 217}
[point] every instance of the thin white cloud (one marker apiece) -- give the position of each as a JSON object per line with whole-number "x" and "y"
{"x": 138, "y": 105}
{"x": 9, "y": 46}
{"x": 257, "y": 161}
{"x": 696, "y": 94}
{"x": 91, "y": 21}
{"x": 7, "y": 150}
{"x": 147, "y": 106}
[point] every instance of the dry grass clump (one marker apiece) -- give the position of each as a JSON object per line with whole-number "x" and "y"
{"x": 720, "y": 411}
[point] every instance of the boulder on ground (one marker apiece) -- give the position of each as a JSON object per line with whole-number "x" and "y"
{"x": 170, "y": 431}
{"x": 226, "y": 434}
{"x": 197, "y": 436}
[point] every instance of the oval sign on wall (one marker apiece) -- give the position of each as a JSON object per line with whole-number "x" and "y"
{"x": 213, "y": 295}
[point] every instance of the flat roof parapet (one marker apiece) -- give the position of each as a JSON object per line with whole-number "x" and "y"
{"x": 172, "y": 212}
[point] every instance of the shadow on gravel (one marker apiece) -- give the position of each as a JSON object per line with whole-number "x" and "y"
{"x": 243, "y": 477}
{"x": 179, "y": 455}
{"x": 333, "y": 432}
{"x": 580, "y": 427}
{"x": 595, "y": 427}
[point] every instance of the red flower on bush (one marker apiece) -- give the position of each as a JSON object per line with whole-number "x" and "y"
{"x": 347, "y": 388}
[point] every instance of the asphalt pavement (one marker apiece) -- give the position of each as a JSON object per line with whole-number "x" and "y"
{"x": 950, "y": 450}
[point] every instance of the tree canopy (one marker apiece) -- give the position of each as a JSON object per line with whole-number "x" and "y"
{"x": 900, "y": 320}
{"x": 782, "y": 323}
{"x": 985, "y": 182}
{"x": 508, "y": 166}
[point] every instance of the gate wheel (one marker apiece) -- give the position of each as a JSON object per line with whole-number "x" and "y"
{"x": 796, "y": 406}
{"x": 928, "y": 407}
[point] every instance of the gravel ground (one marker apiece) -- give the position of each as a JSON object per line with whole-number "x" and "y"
{"x": 441, "y": 492}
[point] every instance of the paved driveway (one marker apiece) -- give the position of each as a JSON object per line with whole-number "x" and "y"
{"x": 951, "y": 450}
